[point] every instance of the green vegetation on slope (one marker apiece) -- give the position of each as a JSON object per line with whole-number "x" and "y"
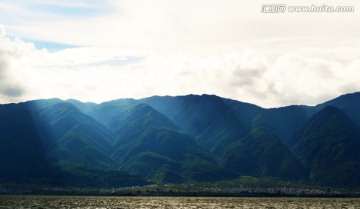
{"x": 186, "y": 139}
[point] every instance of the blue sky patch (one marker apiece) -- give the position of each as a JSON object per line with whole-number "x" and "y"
{"x": 71, "y": 8}
{"x": 51, "y": 46}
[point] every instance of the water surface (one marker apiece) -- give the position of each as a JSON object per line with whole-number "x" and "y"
{"x": 174, "y": 202}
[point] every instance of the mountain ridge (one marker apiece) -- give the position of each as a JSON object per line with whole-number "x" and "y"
{"x": 177, "y": 139}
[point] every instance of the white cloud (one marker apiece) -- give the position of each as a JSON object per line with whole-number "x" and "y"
{"x": 200, "y": 25}
{"x": 12, "y": 67}
{"x": 247, "y": 76}
{"x": 304, "y": 76}
{"x": 2, "y": 32}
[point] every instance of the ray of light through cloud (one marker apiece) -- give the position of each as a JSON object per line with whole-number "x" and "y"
{"x": 103, "y": 50}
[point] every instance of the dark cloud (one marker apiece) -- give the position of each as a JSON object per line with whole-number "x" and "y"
{"x": 12, "y": 91}
{"x": 9, "y": 85}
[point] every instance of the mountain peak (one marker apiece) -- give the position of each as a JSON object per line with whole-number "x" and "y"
{"x": 333, "y": 115}
{"x": 329, "y": 142}
{"x": 330, "y": 122}
{"x": 331, "y": 110}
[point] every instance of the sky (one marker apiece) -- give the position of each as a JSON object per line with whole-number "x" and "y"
{"x": 99, "y": 50}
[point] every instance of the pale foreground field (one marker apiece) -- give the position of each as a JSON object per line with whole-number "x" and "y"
{"x": 174, "y": 202}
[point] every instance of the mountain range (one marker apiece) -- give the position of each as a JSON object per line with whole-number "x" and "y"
{"x": 181, "y": 139}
